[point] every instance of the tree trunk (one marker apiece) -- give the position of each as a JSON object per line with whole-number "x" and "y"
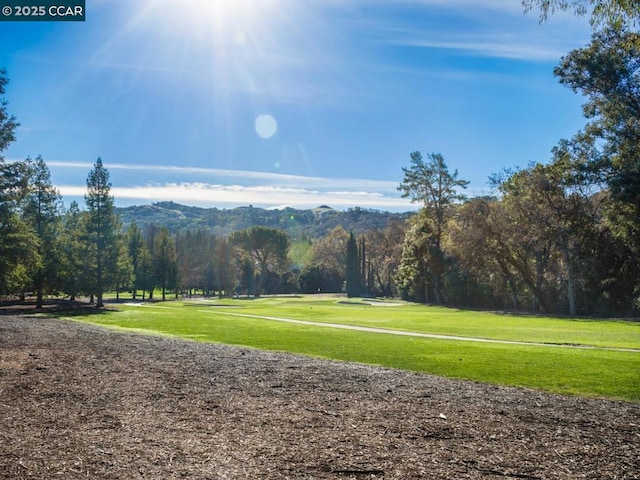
{"x": 571, "y": 294}
{"x": 39, "y": 298}
{"x": 514, "y": 292}
{"x": 437, "y": 292}
{"x": 539, "y": 302}
{"x": 99, "y": 303}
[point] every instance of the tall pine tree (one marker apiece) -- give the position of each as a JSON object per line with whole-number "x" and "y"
{"x": 42, "y": 213}
{"x": 73, "y": 251}
{"x": 18, "y": 243}
{"x": 101, "y": 230}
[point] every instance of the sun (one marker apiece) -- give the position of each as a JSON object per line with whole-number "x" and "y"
{"x": 229, "y": 44}
{"x": 240, "y": 63}
{"x": 225, "y": 22}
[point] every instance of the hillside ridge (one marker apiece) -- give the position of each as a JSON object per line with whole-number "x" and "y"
{"x": 312, "y": 223}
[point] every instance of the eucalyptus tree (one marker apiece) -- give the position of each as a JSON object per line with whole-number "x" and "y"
{"x": 262, "y": 250}
{"x": 430, "y": 183}
{"x": 479, "y": 240}
{"x": 330, "y": 252}
{"x": 165, "y": 268}
{"x": 195, "y": 250}
{"x": 384, "y": 252}
{"x": 224, "y": 270}
{"x": 615, "y": 13}
{"x": 607, "y": 72}
{"x": 544, "y": 241}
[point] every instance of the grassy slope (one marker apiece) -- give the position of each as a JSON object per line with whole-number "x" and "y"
{"x": 576, "y": 371}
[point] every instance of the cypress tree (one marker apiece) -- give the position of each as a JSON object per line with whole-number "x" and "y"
{"x": 353, "y": 268}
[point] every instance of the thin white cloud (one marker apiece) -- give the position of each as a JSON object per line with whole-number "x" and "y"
{"x": 243, "y": 176}
{"x": 210, "y": 195}
{"x": 488, "y": 28}
{"x": 540, "y": 43}
{"x": 500, "y": 48}
{"x": 507, "y": 6}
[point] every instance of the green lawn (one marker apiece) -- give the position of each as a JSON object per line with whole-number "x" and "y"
{"x": 446, "y": 321}
{"x": 590, "y": 372}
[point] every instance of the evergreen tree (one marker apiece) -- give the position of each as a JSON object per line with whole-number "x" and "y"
{"x": 101, "y": 230}
{"x": 18, "y": 242}
{"x": 353, "y": 268}
{"x": 144, "y": 272}
{"x": 42, "y": 213}
{"x": 8, "y": 123}
{"x": 73, "y": 252}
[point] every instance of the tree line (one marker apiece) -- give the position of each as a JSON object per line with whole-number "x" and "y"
{"x": 560, "y": 237}
{"x": 557, "y": 237}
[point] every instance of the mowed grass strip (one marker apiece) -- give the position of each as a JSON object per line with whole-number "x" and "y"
{"x": 444, "y": 321}
{"x": 587, "y": 372}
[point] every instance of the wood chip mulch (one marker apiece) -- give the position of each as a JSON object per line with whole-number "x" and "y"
{"x": 78, "y": 401}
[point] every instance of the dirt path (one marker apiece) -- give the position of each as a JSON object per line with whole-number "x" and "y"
{"x": 78, "y": 401}
{"x": 423, "y": 335}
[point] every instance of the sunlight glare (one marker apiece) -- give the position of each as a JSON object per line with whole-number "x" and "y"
{"x": 227, "y": 21}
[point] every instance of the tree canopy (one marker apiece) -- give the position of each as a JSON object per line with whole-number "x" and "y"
{"x": 615, "y": 13}
{"x": 266, "y": 250}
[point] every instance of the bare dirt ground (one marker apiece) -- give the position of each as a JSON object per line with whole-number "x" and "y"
{"x": 78, "y": 401}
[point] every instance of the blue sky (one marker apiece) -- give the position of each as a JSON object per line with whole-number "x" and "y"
{"x": 287, "y": 102}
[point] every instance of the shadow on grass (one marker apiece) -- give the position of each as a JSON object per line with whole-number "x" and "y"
{"x": 53, "y": 308}
{"x": 556, "y": 316}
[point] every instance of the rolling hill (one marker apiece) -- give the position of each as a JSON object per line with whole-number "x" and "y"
{"x": 311, "y": 223}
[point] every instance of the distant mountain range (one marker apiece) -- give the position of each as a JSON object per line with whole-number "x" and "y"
{"x": 312, "y": 223}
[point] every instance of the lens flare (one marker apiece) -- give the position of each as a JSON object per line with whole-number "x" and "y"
{"x": 266, "y": 126}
